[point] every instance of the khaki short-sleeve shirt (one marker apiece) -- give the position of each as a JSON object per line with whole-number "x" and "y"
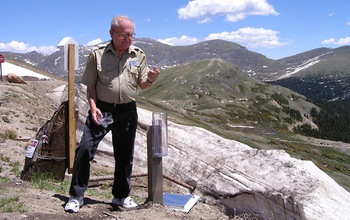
{"x": 116, "y": 79}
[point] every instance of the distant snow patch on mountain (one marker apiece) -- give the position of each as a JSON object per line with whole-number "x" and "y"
{"x": 295, "y": 69}
{"x": 20, "y": 71}
{"x": 304, "y": 65}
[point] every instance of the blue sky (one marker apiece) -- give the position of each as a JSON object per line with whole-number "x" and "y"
{"x": 274, "y": 28}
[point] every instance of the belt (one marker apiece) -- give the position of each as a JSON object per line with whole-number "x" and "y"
{"x": 116, "y": 105}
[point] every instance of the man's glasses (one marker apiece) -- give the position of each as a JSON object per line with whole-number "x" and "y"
{"x": 124, "y": 34}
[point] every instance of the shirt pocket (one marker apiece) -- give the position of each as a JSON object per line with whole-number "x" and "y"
{"x": 133, "y": 76}
{"x": 106, "y": 74}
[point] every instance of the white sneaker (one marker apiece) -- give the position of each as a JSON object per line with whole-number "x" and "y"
{"x": 125, "y": 202}
{"x": 74, "y": 204}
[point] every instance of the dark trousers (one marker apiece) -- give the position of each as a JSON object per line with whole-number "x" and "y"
{"x": 123, "y": 138}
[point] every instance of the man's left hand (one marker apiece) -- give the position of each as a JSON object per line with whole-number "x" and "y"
{"x": 153, "y": 74}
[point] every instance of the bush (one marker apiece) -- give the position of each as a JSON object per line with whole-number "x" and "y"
{"x": 8, "y": 134}
{"x": 6, "y": 119}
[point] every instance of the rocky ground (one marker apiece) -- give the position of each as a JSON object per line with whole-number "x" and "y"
{"x": 24, "y": 108}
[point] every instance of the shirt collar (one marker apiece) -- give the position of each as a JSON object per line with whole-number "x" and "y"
{"x": 131, "y": 49}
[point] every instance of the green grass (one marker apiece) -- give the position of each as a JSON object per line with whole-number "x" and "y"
{"x": 4, "y": 179}
{"x": 103, "y": 191}
{"x": 5, "y": 159}
{"x": 8, "y": 134}
{"x": 12, "y": 204}
{"x": 15, "y": 169}
{"x": 5, "y": 119}
{"x": 46, "y": 181}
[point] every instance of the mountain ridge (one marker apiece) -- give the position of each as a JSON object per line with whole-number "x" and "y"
{"x": 301, "y": 65}
{"x": 254, "y": 64}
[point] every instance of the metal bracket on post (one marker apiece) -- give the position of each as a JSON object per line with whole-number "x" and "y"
{"x": 155, "y": 172}
{"x": 157, "y": 141}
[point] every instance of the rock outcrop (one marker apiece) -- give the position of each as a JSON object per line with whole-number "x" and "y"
{"x": 13, "y": 78}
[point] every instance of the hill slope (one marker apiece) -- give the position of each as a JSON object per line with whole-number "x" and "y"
{"x": 321, "y": 75}
{"x": 243, "y": 109}
{"x": 219, "y": 95}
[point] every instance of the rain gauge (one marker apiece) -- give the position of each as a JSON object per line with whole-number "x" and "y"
{"x": 159, "y": 134}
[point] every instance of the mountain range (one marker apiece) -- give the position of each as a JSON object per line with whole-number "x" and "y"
{"x": 319, "y": 74}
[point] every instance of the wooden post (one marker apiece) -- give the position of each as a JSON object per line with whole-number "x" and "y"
{"x": 155, "y": 172}
{"x": 71, "y": 108}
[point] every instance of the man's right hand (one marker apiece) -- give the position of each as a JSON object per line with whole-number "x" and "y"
{"x": 95, "y": 114}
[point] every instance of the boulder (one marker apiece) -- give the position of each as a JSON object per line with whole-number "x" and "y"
{"x": 13, "y": 78}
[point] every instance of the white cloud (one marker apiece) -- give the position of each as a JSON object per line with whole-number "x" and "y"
{"x": 46, "y": 49}
{"x": 205, "y": 21}
{"x": 94, "y": 42}
{"x": 250, "y": 37}
{"x": 20, "y": 47}
{"x": 183, "y": 40}
{"x": 233, "y": 10}
{"x": 348, "y": 23}
{"x": 328, "y": 41}
{"x": 341, "y": 41}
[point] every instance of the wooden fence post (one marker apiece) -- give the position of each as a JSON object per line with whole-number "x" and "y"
{"x": 71, "y": 108}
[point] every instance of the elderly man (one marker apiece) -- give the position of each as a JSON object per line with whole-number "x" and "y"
{"x": 114, "y": 73}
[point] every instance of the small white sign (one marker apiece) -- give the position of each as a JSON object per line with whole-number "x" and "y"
{"x": 30, "y": 148}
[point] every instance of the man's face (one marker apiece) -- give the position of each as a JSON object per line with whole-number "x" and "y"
{"x": 122, "y": 36}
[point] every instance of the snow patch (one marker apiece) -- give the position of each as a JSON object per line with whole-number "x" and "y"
{"x": 20, "y": 71}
